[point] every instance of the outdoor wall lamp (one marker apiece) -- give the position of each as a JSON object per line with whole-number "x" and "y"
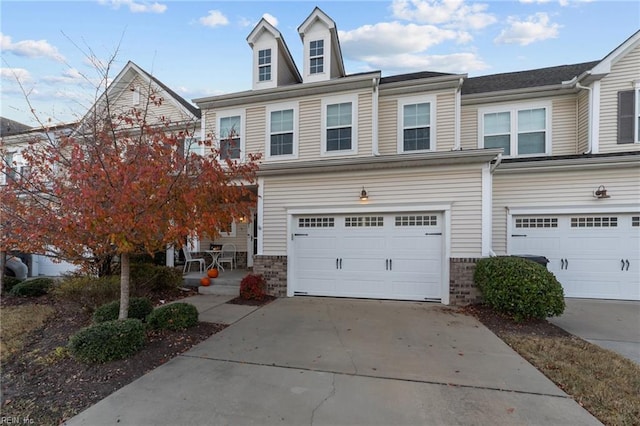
{"x": 601, "y": 192}
{"x": 363, "y": 195}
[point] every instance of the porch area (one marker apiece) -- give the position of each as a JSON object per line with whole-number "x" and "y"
{"x": 227, "y": 282}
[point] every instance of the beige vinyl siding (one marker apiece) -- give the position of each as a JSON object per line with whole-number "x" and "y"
{"x": 583, "y": 121}
{"x": 445, "y": 121}
{"x": 563, "y": 126}
{"x": 240, "y": 239}
{"x": 387, "y": 126}
{"x": 469, "y": 127}
{"x": 365, "y": 123}
{"x": 209, "y": 117}
{"x": 310, "y": 125}
{"x": 459, "y": 185}
{"x": 621, "y": 77}
{"x": 558, "y": 189}
{"x": 255, "y": 130}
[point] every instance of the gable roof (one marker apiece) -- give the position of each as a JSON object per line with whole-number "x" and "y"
{"x": 604, "y": 66}
{"x": 318, "y": 15}
{"x": 412, "y": 76}
{"x": 525, "y": 79}
{"x": 10, "y": 127}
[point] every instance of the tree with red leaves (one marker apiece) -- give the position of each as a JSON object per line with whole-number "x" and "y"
{"x": 118, "y": 184}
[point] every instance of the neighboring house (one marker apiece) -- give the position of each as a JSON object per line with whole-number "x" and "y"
{"x": 131, "y": 88}
{"x": 392, "y": 187}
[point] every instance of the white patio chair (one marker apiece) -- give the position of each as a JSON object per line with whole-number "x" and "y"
{"x": 227, "y": 255}
{"x": 188, "y": 259}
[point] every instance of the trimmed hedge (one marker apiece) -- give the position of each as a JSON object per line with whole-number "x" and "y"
{"x": 108, "y": 341}
{"x": 175, "y": 316}
{"x": 139, "y": 308}
{"x": 518, "y": 287}
{"x": 253, "y": 287}
{"x": 32, "y": 288}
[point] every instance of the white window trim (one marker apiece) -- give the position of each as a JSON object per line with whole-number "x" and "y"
{"x": 431, "y": 100}
{"x": 281, "y": 107}
{"x": 636, "y": 114}
{"x": 270, "y": 65}
{"x": 323, "y": 56}
{"x": 353, "y": 98}
{"x": 230, "y": 113}
{"x": 513, "y": 131}
{"x": 326, "y": 63}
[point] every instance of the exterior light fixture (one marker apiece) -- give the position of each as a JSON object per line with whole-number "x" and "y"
{"x": 363, "y": 195}
{"x": 601, "y": 193}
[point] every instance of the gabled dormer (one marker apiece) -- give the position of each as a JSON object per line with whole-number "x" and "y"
{"x": 273, "y": 65}
{"x": 322, "y": 54}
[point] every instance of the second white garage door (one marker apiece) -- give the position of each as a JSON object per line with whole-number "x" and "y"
{"x": 381, "y": 256}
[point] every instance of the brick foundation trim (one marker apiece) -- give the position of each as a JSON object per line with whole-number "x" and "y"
{"x": 462, "y": 289}
{"x": 274, "y": 271}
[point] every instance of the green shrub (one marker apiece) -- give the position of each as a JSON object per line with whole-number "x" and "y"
{"x": 32, "y": 288}
{"x": 519, "y": 287}
{"x": 108, "y": 341}
{"x": 9, "y": 282}
{"x": 147, "y": 278}
{"x": 139, "y": 308}
{"x": 89, "y": 292}
{"x": 176, "y": 316}
{"x": 253, "y": 287}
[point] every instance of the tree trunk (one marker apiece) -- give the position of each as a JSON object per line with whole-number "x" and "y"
{"x": 124, "y": 286}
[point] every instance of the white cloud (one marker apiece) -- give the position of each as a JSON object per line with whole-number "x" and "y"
{"x": 449, "y": 13}
{"x": 536, "y": 27}
{"x": 136, "y": 6}
{"x": 562, "y": 3}
{"x": 406, "y": 62}
{"x": 30, "y": 48}
{"x": 70, "y": 76}
{"x": 215, "y": 18}
{"x": 271, "y": 19}
{"x": 13, "y": 74}
{"x": 393, "y": 38}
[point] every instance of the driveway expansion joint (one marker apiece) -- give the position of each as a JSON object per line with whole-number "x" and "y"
{"x": 371, "y": 376}
{"x": 325, "y": 399}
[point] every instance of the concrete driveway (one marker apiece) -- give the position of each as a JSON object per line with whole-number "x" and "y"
{"x": 328, "y": 361}
{"x": 611, "y": 324}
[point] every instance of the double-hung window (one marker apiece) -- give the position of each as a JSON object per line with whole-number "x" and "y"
{"x": 415, "y": 130}
{"x": 518, "y": 130}
{"x": 281, "y": 138}
{"x": 316, "y": 56}
{"x": 230, "y": 136}
{"x": 264, "y": 65}
{"x": 629, "y": 115}
{"x": 339, "y": 125}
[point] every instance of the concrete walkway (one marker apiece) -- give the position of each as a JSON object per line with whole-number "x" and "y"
{"x": 323, "y": 361}
{"x": 611, "y": 324}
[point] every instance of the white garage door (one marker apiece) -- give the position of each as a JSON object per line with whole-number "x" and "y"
{"x": 381, "y": 256}
{"x": 593, "y": 256}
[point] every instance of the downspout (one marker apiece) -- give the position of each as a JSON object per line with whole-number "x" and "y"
{"x": 457, "y": 118}
{"x": 494, "y": 166}
{"x": 590, "y": 118}
{"x": 374, "y": 118}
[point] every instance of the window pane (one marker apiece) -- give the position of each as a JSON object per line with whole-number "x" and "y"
{"x": 416, "y": 139}
{"x": 339, "y": 139}
{"x": 416, "y": 115}
{"x": 282, "y": 144}
{"x": 531, "y": 120}
{"x": 264, "y": 73}
{"x": 531, "y": 143}
{"x": 229, "y": 126}
{"x": 502, "y": 141}
{"x": 339, "y": 115}
{"x": 230, "y": 148}
{"x": 282, "y": 121}
{"x": 316, "y": 48}
{"x": 264, "y": 57}
{"x": 497, "y": 122}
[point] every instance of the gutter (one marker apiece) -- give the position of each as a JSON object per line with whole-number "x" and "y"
{"x": 596, "y": 161}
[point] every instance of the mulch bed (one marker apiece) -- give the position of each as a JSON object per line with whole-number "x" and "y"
{"x": 502, "y": 325}
{"x": 252, "y": 302}
{"x": 46, "y": 385}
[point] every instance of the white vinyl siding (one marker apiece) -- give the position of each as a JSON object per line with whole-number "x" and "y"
{"x": 563, "y": 126}
{"x": 469, "y": 127}
{"x": 558, "y": 189}
{"x": 622, "y": 76}
{"x": 460, "y": 186}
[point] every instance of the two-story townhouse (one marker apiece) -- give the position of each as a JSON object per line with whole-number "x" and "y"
{"x": 392, "y": 187}
{"x": 132, "y": 87}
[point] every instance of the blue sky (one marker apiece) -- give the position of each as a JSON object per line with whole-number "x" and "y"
{"x": 199, "y": 48}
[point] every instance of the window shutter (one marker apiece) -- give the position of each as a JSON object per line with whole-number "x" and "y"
{"x": 625, "y": 116}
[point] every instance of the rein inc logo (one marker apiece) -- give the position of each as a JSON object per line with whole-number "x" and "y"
{"x": 15, "y": 420}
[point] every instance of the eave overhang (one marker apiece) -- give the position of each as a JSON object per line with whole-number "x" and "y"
{"x": 518, "y": 94}
{"x": 446, "y": 158}
{"x": 572, "y": 162}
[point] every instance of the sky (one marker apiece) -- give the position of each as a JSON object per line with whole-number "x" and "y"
{"x": 52, "y": 51}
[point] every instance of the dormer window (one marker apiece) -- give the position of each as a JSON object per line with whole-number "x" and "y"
{"x": 264, "y": 65}
{"x": 316, "y": 57}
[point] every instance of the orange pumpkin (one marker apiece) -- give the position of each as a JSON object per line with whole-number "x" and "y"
{"x": 212, "y": 273}
{"x": 204, "y": 281}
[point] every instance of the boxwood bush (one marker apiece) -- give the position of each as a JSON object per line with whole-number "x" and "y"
{"x": 175, "y": 316}
{"x": 9, "y": 282}
{"x": 32, "y": 288}
{"x": 518, "y": 287}
{"x": 108, "y": 341}
{"x": 139, "y": 308}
